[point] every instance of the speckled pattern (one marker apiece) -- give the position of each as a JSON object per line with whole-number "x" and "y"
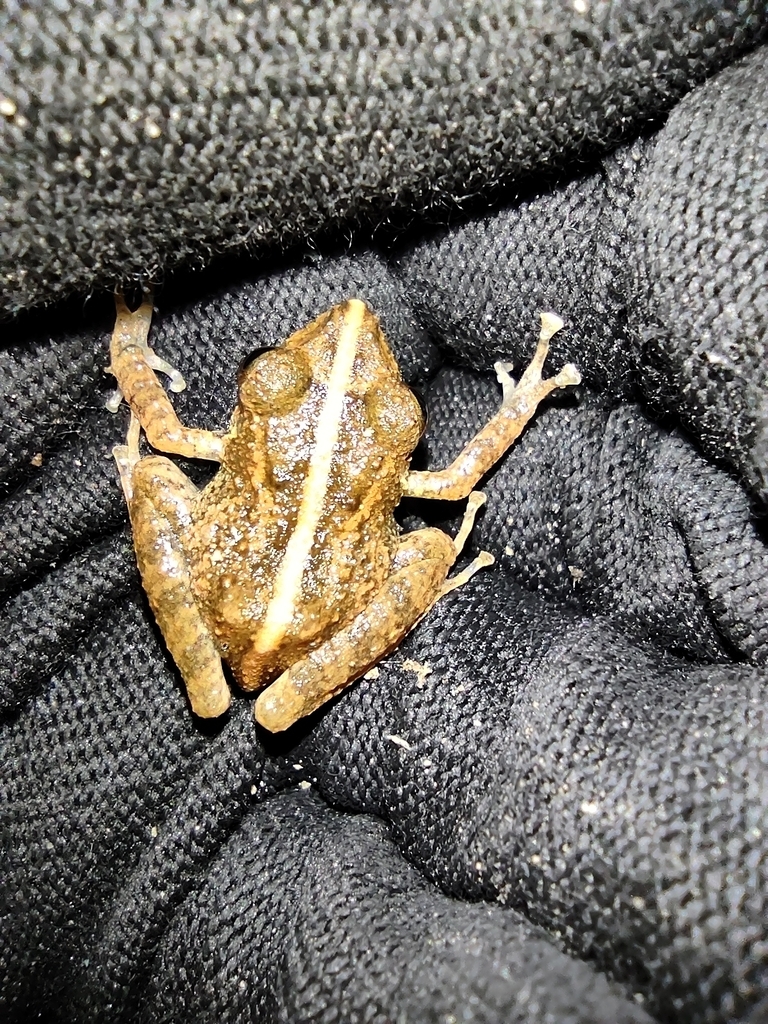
{"x": 552, "y": 805}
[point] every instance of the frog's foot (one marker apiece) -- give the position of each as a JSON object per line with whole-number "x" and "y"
{"x": 133, "y": 327}
{"x": 134, "y": 330}
{"x": 531, "y": 380}
{"x": 483, "y": 560}
{"x": 475, "y": 501}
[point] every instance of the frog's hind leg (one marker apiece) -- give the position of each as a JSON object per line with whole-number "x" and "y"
{"x": 418, "y": 579}
{"x": 160, "y": 499}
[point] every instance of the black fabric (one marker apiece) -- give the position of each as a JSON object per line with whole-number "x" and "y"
{"x": 552, "y": 805}
{"x": 139, "y": 136}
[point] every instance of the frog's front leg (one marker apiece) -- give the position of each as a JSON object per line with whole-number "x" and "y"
{"x": 160, "y": 500}
{"x": 133, "y": 364}
{"x": 418, "y": 580}
{"x": 486, "y": 447}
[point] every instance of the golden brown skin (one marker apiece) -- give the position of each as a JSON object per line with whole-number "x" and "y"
{"x": 289, "y": 565}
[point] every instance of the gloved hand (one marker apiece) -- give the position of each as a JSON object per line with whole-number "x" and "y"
{"x": 551, "y": 804}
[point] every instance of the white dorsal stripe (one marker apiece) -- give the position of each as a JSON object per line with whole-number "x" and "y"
{"x": 289, "y": 576}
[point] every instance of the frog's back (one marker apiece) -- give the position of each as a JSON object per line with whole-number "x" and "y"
{"x": 296, "y": 533}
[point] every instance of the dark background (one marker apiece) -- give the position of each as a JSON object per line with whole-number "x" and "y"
{"x": 575, "y": 828}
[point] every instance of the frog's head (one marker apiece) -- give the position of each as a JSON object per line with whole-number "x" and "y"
{"x": 343, "y": 352}
{"x": 345, "y": 348}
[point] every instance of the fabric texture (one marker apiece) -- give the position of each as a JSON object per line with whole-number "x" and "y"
{"x": 552, "y": 804}
{"x": 138, "y": 136}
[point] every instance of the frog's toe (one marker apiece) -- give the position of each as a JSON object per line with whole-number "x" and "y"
{"x": 112, "y": 404}
{"x": 567, "y": 376}
{"x": 508, "y": 383}
{"x": 176, "y": 381}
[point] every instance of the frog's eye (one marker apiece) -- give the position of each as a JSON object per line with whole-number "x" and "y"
{"x": 395, "y": 414}
{"x": 250, "y": 359}
{"x": 273, "y": 381}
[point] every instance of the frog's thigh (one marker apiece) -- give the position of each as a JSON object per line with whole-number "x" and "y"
{"x": 160, "y": 509}
{"x": 418, "y": 574}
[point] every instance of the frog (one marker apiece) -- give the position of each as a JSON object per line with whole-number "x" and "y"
{"x": 289, "y": 566}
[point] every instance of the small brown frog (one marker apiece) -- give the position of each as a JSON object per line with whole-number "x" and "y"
{"x": 289, "y": 564}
